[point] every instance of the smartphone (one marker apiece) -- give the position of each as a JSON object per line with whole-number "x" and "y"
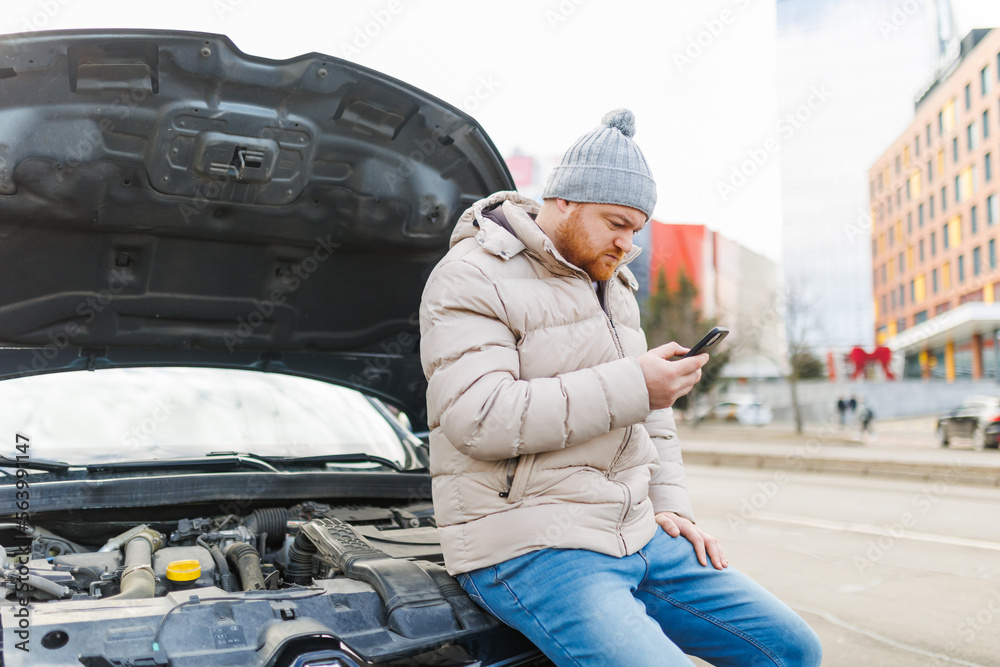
{"x": 710, "y": 340}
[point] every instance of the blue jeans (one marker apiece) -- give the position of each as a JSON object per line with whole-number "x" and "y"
{"x": 584, "y": 608}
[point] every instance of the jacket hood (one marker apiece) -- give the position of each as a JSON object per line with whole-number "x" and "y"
{"x": 165, "y": 198}
{"x": 525, "y": 234}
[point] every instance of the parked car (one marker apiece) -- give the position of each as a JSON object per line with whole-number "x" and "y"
{"x": 210, "y": 269}
{"x": 978, "y": 418}
{"x": 744, "y": 411}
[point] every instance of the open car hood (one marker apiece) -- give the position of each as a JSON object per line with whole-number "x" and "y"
{"x": 166, "y": 199}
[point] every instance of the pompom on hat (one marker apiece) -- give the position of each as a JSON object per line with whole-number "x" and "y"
{"x": 605, "y": 166}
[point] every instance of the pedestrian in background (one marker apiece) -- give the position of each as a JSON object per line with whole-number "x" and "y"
{"x": 866, "y": 417}
{"x": 842, "y": 410}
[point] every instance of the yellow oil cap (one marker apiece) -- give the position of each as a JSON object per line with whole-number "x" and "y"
{"x": 183, "y": 570}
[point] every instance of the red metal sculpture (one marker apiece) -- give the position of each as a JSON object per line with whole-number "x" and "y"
{"x": 861, "y": 359}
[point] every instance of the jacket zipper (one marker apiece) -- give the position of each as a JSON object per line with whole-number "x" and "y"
{"x": 606, "y": 307}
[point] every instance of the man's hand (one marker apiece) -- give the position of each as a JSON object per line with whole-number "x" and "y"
{"x": 703, "y": 543}
{"x": 666, "y": 380}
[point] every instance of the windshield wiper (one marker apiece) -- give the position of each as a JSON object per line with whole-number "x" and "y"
{"x": 224, "y": 460}
{"x": 230, "y": 461}
{"x": 334, "y": 458}
{"x": 34, "y": 464}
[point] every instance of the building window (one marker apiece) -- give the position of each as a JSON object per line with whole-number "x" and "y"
{"x": 954, "y": 149}
{"x": 928, "y": 135}
{"x": 933, "y": 243}
{"x": 968, "y": 96}
{"x": 961, "y": 268}
{"x": 883, "y": 273}
{"x": 934, "y": 280}
{"x": 899, "y": 197}
{"x": 988, "y": 164}
{"x": 991, "y": 210}
{"x": 973, "y": 218}
{"x": 984, "y": 81}
{"x": 944, "y": 197}
{"x": 893, "y": 302}
{"x": 916, "y": 146}
{"x": 986, "y": 124}
{"x": 909, "y": 195}
{"x": 920, "y": 215}
{"x": 921, "y": 251}
{"x": 902, "y": 296}
{"x": 932, "y": 207}
{"x": 909, "y": 222}
{"x": 993, "y": 254}
{"x": 902, "y": 264}
{"x": 958, "y": 190}
{"x": 970, "y": 136}
{"x": 940, "y": 123}
{"x": 913, "y": 293}
{"x": 977, "y": 261}
{"x": 945, "y": 236}
{"x": 920, "y": 317}
{"x": 930, "y": 170}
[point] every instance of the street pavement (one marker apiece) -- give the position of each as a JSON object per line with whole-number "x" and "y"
{"x": 901, "y": 448}
{"x": 888, "y": 572}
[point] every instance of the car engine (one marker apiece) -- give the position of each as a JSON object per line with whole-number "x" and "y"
{"x": 310, "y": 584}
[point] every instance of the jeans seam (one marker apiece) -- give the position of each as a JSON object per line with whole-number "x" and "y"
{"x": 711, "y": 619}
{"x": 478, "y": 594}
{"x": 646, "y": 561}
{"x": 534, "y": 618}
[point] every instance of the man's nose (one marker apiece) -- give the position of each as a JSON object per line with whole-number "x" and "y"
{"x": 624, "y": 241}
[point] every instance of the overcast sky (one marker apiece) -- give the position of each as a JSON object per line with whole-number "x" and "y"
{"x": 538, "y": 73}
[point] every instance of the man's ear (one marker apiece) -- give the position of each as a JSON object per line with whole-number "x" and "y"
{"x": 563, "y": 205}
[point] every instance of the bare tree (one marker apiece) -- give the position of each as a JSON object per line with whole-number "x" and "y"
{"x": 800, "y": 321}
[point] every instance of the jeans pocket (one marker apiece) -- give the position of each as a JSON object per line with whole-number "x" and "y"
{"x": 468, "y": 584}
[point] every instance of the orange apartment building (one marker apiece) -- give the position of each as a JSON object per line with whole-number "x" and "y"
{"x": 935, "y": 207}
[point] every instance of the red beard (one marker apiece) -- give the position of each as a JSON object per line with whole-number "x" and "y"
{"x": 576, "y": 247}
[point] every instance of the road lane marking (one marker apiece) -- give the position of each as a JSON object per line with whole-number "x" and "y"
{"x": 830, "y": 618}
{"x": 868, "y": 529}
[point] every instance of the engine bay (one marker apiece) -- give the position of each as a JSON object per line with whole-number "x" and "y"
{"x": 351, "y": 585}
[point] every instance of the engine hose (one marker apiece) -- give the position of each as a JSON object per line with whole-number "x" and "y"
{"x": 138, "y": 581}
{"x": 270, "y": 520}
{"x": 226, "y": 580}
{"x": 246, "y": 561}
{"x": 52, "y": 588}
{"x": 300, "y": 560}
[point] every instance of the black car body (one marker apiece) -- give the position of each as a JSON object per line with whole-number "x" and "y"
{"x": 978, "y": 419}
{"x": 170, "y": 205}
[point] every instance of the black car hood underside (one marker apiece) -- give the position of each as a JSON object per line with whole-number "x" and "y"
{"x": 165, "y": 197}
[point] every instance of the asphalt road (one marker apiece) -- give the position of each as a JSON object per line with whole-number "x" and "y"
{"x": 890, "y": 573}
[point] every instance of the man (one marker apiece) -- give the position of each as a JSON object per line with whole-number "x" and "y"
{"x": 558, "y": 485}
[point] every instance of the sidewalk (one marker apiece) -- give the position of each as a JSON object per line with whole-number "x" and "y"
{"x": 902, "y": 448}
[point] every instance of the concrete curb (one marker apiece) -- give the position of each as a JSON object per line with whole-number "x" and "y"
{"x": 904, "y": 449}
{"x": 984, "y": 475}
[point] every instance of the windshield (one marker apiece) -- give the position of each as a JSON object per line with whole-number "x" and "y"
{"x": 119, "y": 414}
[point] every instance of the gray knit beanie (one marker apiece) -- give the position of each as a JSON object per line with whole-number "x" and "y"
{"x": 605, "y": 166}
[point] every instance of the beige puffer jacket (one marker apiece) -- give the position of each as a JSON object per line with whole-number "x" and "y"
{"x": 541, "y": 433}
